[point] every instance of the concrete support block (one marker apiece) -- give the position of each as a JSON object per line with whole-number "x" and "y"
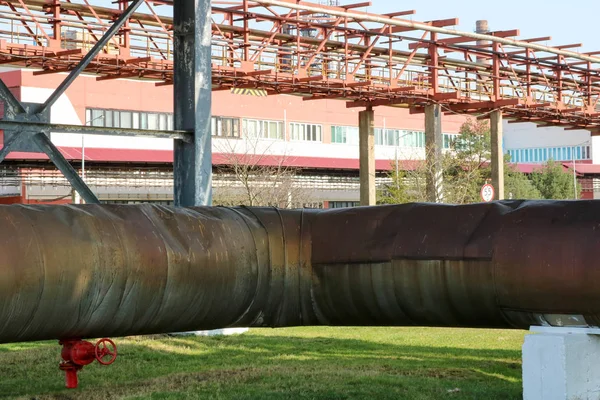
{"x": 559, "y": 366}
{"x": 216, "y": 332}
{"x": 434, "y": 142}
{"x": 366, "y": 126}
{"x": 497, "y": 154}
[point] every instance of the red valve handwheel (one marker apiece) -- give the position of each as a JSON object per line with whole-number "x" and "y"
{"x": 106, "y": 348}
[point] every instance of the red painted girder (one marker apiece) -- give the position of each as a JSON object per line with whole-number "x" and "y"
{"x": 461, "y": 39}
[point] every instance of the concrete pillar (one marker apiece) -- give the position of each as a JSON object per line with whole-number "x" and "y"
{"x": 561, "y": 366}
{"x": 434, "y": 142}
{"x": 497, "y": 154}
{"x": 366, "y": 128}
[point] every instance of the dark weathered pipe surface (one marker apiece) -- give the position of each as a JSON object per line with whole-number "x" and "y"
{"x": 91, "y": 271}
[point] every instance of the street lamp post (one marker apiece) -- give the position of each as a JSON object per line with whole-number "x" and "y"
{"x": 76, "y": 198}
{"x": 396, "y": 155}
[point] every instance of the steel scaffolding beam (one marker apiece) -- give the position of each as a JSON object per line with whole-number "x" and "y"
{"x": 296, "y": 47}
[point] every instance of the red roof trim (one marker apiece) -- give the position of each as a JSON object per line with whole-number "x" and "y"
{"x": 166, "y": 156}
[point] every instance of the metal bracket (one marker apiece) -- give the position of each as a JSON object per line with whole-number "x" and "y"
{"x": 20, "y": 127}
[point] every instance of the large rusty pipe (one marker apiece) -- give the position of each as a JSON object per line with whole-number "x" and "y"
{"x": 92, "y": 271}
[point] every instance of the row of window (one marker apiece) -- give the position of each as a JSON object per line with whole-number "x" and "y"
{"x": 265, "y": 129}
{"x": 396, "y": 137}
{"x": 128, "y": 119}
{"x": 343, "y": 204}
{"x": 386, "y": 137}
{"x": 540, "y": 155}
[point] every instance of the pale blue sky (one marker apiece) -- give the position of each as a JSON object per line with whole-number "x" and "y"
{"x": 567, "y": 22}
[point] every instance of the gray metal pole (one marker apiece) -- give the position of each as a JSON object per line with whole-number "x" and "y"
{"x": 192, "y": 102}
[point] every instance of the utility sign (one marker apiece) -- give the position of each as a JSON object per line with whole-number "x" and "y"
{"x": 487, "y": 193}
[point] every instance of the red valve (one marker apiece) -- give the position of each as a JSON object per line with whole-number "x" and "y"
{"x": 78, "y": 353}
{"x": 106, "y": 348}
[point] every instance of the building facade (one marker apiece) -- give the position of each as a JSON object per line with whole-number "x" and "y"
{"x": 316, "y": 141}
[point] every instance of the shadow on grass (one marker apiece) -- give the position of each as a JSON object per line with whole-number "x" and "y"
{"x": 278, "y": 367}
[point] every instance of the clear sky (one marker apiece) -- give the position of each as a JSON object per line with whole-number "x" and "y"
{"x": 567, "y": 22}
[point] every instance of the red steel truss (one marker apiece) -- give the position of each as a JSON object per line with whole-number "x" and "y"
{"x": 320, "y": 51}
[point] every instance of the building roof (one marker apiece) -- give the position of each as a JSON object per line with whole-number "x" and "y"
{"x": 102, "y": 155}
{"x": 166, "y": 156}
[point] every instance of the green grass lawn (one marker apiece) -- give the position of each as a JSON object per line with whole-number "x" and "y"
{"x": 297, "y": 363}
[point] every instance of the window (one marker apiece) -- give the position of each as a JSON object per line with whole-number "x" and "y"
{"x": 263, "y": 129}
{"x": 136, "y": 120}
{"x": 97, "y": 118}
{"x": 129, "y": 119}
{"x": 126, "y": 119}
{"x": 449, "y": 139}
{"x": 225, "y": 127}
{"x": 306, "y": 132}
{"x": 387, "y": 137}
{"x": 343, "y": 204}
{"x": 162, "y": 121}
{"x": 413, "y": 139}
{"x": 152, "y": 121}
{"x": 144, "y": 121}
{"x": 344, "y": 134}
{"x": 108, "y": 119}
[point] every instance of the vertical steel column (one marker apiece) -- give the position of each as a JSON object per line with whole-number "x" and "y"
{"x": 192, "y": 101}
{"x": 366, "y": 137}
{"x": 434, "y": 141}
{"x": 497, "y": 154}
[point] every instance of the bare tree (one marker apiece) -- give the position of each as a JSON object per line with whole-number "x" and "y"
{"x": 255, "y": 174}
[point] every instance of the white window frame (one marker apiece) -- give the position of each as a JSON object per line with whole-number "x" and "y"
{"x": 299, "y": 132}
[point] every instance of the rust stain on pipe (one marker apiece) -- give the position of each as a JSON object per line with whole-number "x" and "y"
{"x": 92, "y": 271}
